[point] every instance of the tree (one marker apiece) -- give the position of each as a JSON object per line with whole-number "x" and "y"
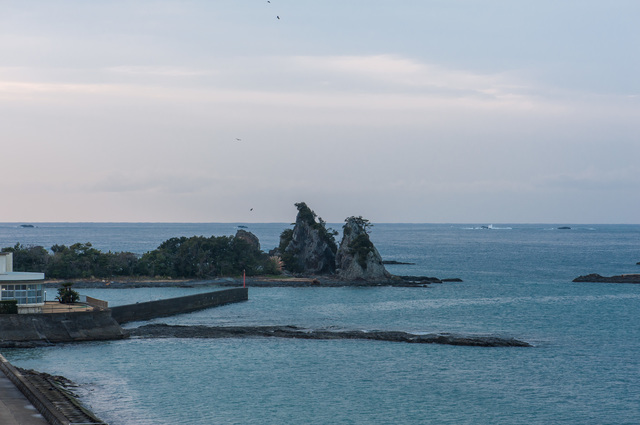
{"x": 29, "y": 258}
{"x": 66, "y": 295}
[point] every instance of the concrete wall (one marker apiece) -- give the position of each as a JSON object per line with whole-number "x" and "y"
{"x": 44, "y": 406}
{"x": 59, "y": 327}
{"x": 169, "y": 307}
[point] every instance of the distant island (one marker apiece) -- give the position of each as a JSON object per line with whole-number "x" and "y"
{"x": 594, "y": 277}
{"x": 309, "y": 250}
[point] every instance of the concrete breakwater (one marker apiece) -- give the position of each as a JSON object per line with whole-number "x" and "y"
{"x": 26, "y": 330}
{"x": 54, "y": 403}
{"x": 176, "y": 331}
{"x": 34, "y": 328}
{"x": 161, "y": 308}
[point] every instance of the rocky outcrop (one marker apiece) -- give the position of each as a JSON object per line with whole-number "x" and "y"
{"x": 594, "y": 277}
{"x": 357, "y": 257}
{"x": 394, "y": 262}
{"x": 310, "y": 248}
{"x": 248, "y": 237}
{"x": 169, "y": 331}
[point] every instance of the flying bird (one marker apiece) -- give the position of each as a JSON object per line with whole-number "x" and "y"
{"x": 278, "y": 17}
{"x": 239, "y": 140}
{"x": 251, "y": 209}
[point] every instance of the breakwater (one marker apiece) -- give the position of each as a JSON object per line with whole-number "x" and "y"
{"x": 169, "y": 307}
{"x": 57, "y": 406}
{"x": 173, "y": 331}
{"x": 34, "y": 328}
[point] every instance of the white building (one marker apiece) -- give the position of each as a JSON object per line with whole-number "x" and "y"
{"x": 25, "y": 287}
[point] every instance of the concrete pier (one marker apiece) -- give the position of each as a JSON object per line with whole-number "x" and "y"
{"x": 15, "y": 409}
{"x": 32, "y": 398}
{"x": 172, "y": 306}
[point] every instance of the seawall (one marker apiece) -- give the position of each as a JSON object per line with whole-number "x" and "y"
{"x": 56, "y": 405}
{"x": 59, "y": 327}
{"x": 162, "y": 308}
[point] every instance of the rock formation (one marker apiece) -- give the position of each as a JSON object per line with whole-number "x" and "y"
{"x": 594, "y": 277}
{"x": 162, "y": 330}
{"x": 358, "y": 258}
{"x": 249, "y": 237}
{"x": 309, "y": 248}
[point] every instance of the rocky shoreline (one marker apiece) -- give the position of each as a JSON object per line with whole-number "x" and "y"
{"x": 623, "y": 278}
{"x": 177, "y": 331}
{"x": 260, "y": 282}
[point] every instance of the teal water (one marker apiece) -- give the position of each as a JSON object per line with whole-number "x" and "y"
{"x": 584, "y": 368}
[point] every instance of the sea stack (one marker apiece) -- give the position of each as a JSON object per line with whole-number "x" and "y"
{"x": 309, "y": 248}
{"x": 358, "y": 258}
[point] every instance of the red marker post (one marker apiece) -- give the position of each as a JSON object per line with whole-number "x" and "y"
{"x": 244, "y": 279}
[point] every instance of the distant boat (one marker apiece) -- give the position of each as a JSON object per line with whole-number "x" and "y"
{"x": 27, "y": 225}
{"x": 564, "y": 228}
{"x": 242, "y": 227}
{"x": 492, "y": 227}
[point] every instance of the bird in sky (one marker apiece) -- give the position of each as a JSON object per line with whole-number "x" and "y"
{"x": 278, "y": 17}
{"x": 239, "y": 140}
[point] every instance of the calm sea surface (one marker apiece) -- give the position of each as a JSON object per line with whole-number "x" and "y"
{"x": 584, "y": 368}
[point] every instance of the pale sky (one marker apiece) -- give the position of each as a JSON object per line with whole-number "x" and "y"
{"x": 494, "y": 111}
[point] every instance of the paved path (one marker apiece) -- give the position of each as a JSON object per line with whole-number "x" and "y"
{"x": 15, "y": 409}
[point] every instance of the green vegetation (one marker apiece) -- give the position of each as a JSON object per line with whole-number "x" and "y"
{"x": 361, "y": 245}
{"x": 9, "y": 307}
{"x": 363, "y": 223}
{"x": 66, "y": 295}
{"x": 201, "y": 257}
{"x": 195, "y": 257}
{"x": 305, "y": 216}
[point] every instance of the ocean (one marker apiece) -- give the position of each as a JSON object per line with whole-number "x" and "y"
{"x": 584, "y": 367}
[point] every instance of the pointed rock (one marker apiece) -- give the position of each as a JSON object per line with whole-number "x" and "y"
{"x": 357, "y": 257}
{"x": 309, "y": 248}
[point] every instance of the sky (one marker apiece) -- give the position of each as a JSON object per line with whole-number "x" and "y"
{"x": 424, "y": 111}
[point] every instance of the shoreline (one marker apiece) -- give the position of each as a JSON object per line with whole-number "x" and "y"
{"x": 258, "y": 281}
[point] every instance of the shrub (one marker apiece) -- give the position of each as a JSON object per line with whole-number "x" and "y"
{"x": 66, "y": 295}
{"x": 9, "y": 307}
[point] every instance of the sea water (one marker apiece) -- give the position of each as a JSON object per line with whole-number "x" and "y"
{"x": 584, "y": 367}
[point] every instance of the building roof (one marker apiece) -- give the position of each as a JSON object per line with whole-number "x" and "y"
{"x": 7, "y": 275}
{"x": 20, "y": 277}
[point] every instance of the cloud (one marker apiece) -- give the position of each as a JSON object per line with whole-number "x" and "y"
{"x": 159, "y": 71}
{"x": 404, "y": 72}
{"x": 383, "y": 82}
{"x": 592, "y": 179}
